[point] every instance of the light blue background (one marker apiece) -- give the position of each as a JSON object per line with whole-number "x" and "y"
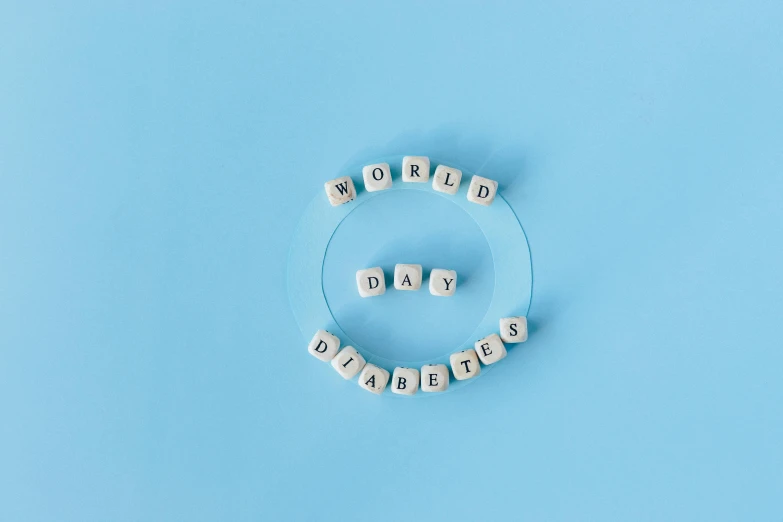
{"x": 154, "y": 161}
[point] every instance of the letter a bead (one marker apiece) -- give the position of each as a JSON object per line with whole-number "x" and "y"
{"x": 373, "y": 379}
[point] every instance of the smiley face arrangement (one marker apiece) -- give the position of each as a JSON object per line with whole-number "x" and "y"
{"x": 505, "y": 321}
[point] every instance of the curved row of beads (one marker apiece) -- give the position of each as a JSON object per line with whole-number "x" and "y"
{"x": 465, "y": 364}
{"x": 415, "y": 169}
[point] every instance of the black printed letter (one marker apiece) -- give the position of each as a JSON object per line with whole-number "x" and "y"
{"x": 342, "y": 188}
{"x": 486, "y": 349}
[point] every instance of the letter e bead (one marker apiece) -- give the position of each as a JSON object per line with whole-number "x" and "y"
{"x": 490, "y": 349}
{"x": 434, "y": 378}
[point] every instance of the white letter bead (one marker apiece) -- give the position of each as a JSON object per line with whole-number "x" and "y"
{"x": 405, "y": 381}
{"x": 443, "y": 282}
{"x": 373, "y": 379}
{"x": 415, "y": 169}
{"x": 513, "y": 329}
{"x": 407, "y": 277}
{"x": 446, "y": 179}
{"x": 324, "y": 345}
{"x": 340, "y": 190}
{"x": 490, "y": 349}
{"x": 482, "y": 190}
{"x": 348, "y": 362}
{"x": 434, "y": 378}
{"x": 370, "y": 282}
{"x": 377, "y": 177}
{"x": 464, "y": 364}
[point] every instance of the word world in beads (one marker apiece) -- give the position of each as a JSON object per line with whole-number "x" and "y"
{"x": 371, "y": 281}
{"x": 466, "y": 364}
{"x": 415, "y": 169}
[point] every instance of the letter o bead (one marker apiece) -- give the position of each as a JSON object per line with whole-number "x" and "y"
{"x": 373, "y": 379}
{"x": 434, "y": 378}
{"x": 324, "y": 345}
{"x": 377, "y": 177}
{"x": 464, "y": 364}
{"x": 405, "y": 381}
{"x": 490, "y": 349}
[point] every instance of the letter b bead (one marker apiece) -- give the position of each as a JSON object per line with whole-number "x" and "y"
{"x": 405, "y": 381}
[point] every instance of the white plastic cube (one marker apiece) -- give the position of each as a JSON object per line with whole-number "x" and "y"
{"x": 434, "y": 378}
{"x": 324, "y": 345}
{"x": 443, "y": 282}
{"x": 340, "y": 190}
{"x": 490, "y": 349}
{"x": 464, "y": 364}
{"x": 377, "y": 177}
{"x": 513, "y": 329}
{"x": 416, "y": 169}
{"x": 482, "y": 190}
{"x": 373, "y": 378}
{"x": 446, "y": 179}
{"x": 348, "y": 362}
{"x": 405, "y": 381}
{"x": 371, "y": 282}
{"x": 407, "y": 277}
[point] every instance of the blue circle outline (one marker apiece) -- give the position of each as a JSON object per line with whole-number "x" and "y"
{"x": 512, "y": 293}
